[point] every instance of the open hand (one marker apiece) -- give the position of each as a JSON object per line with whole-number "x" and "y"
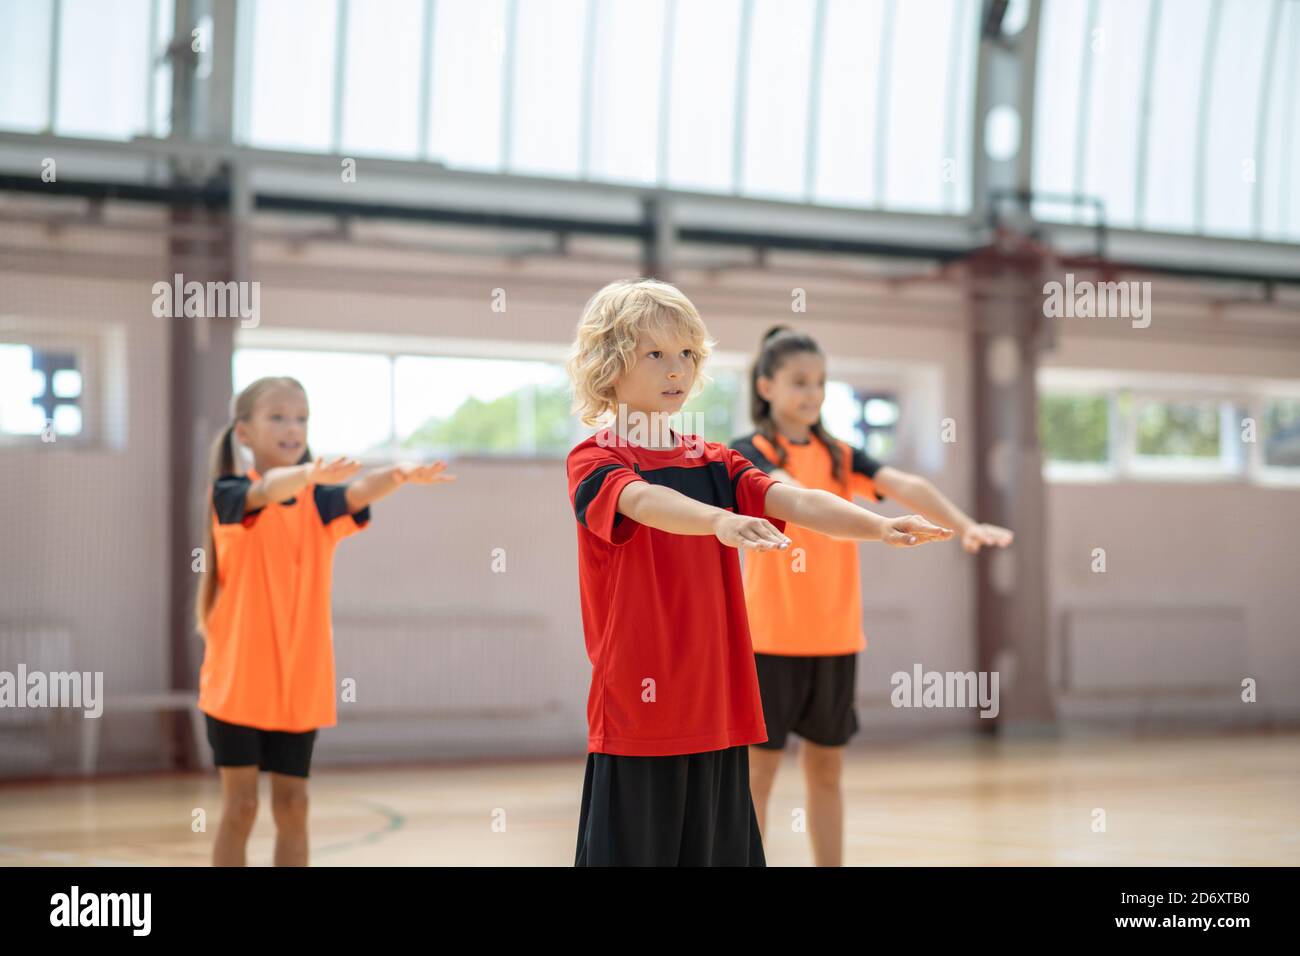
{"x": 911, "y": 530}
{"x": 985, "y": 535}
{"x": 335, "y": 471}
{"x": 430, "y": 474}
{"x": 758, "y": 534}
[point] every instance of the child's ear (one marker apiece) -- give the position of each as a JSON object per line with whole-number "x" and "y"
{"x": 764, "y": 386}
{"x": 241, "y": 434}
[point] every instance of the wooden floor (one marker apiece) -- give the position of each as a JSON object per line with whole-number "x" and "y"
{"x": 1231, "y": 800}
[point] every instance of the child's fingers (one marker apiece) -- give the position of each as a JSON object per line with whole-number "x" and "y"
{"x": 430, "y": 474}
{"x": 756, "y": 537}
{"x": 923, "y": 529}
{"x": 899, "y": 539}
{"x": 766, "y": 531}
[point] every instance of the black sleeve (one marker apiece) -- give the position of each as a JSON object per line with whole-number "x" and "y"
{"x": 229, "y": 497}
{"x": 864, "y": 464}
{"x": 332, "y": 503}
{"x": 756, "y": 458}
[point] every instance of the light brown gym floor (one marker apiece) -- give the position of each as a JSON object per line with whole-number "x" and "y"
{"x": 1222, "y": 800}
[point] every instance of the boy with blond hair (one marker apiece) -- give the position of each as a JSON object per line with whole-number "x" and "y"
{"x": 674, "y": 701}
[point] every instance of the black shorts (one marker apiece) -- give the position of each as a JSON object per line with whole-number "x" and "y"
{"x": 687, "y": 810}
{"x": 811, "y": 696}
{"x": 276, "y": 751}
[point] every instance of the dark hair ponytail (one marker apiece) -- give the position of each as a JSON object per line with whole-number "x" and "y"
{"x": 221, "y": 462}
{"x": 779, "y": 343}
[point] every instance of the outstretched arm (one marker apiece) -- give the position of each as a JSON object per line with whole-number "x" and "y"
{"x": 919, "y": 494}
{"x": 657, "y": 507}
{"x": 832, "y": 515}
{"x": 281, "y": 484}
{"x": 384, "y": 481}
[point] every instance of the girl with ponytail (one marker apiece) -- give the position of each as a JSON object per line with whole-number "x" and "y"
{"x": 263, "y": 605}
{"x": 805, "y": 604}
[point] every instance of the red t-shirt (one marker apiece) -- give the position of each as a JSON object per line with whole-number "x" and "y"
{"x": 664, "y": 614}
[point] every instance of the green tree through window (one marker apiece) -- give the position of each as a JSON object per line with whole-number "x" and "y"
{"x": 1074, "y": 428}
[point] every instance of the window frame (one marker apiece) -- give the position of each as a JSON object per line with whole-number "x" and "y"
{"x": 1235, "y": 397}
{"x": 87, "y": 349}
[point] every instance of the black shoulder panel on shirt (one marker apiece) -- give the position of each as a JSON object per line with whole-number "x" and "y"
{"x": 708, "y": 482}
{"x": 747, "y": 448}
{"x": 229, "y": 497}
{"x": 864, "y": 464}
{"x": 587, "y": 491}
{"x": 331, "y": 502}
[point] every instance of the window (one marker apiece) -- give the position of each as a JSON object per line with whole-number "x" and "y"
{"x": 40, "y": 392}
{"x": 1074, "y": 428}
{"x": 827, "y": 101}
{"x": 1281, "y": 433}
{"x": 1177, "y": 116}
{"x": 390, "y": 404}
{"x": 1177, "y": 434}
{"x": 865, "y": 418}
{"x": 85, "y": 68}
{"x": 422, "y": 406}
{"x": 483, "y": 406}
{"x": 1185, "y": 428}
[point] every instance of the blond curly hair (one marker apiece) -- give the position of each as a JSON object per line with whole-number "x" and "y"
{"x": 607, "y": 334}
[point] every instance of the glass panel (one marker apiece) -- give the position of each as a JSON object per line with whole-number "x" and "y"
{"x": 161, "y": 76}
{"x": 918, "y": 96}
{"x": 463, "y": 405}
{"x": 67, "y": 420}
{"x": 1178, "y": 429}
{"x": 25, "y": 64}
{"x": 1282, "y": 433}
{"x": 1110, "y": 148}
{"x": 1062, "y": 41}
{"x": 776, "y": 99}
{"x": 292, "y": 74}
{"x": 1175, "y": 93}
{"x": 957, "y": 197}
{"x": 103, "y": 73}
{"x": 344, "y": 421}
{"x": 846, "y": 128}
{"x": 625, "y": 91}
{"x": 548, "y": 87}
{"x": 67, "y": 383}
{"x": 1230, "y": 163}
{"x": 706, "y": 42}
{"x": 381, "y": 92}
{"x": 1074, "y": 428}
{"x": 469, "y": 42}
{"x": 1276, "y": 168}
{"x": 19, "y": 385}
